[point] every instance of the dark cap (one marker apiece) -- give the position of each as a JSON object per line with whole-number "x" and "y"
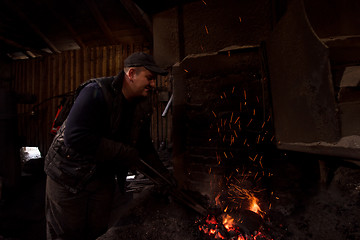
{"x": 141, "y": 59}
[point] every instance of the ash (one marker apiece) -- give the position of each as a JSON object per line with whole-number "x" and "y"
{"x": 149, "y": 212}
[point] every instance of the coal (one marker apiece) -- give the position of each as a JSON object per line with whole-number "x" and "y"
{"x": 151, "y": 215}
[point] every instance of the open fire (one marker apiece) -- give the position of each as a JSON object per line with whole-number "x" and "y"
{"x": 234, "y": 222}
{"x": 239, "y": 214}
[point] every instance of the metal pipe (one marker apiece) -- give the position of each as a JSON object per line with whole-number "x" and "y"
{"x": 167, "y": 106}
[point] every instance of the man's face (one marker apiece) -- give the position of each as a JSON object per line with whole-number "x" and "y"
{"x": 143, "y": 82}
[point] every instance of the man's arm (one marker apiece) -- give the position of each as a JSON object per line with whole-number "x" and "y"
{"x": 87, "y": 123}
{"x": 86, "y": 120}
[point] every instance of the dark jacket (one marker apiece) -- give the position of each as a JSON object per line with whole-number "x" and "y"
{"x": 73, "y": 166}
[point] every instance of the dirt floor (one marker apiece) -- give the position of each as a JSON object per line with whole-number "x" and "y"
{"x": 305, "y": 208}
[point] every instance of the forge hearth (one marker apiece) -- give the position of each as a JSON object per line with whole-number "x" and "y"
{"x": 221, "y": 127}
{"x": 304, "y": 209}
{"x": 153, "y": 216}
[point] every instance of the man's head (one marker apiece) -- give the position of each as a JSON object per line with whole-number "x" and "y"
{"x": 145, "y": 60}
{"x": 140, "y": 75}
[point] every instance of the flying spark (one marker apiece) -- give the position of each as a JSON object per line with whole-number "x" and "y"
{"x": 236, "y": 120}
{"x": 235, "y": 134}
{"x": 206, "y": 29}
{"x": 249, "y": 122}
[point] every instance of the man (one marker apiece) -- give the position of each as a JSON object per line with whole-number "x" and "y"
{"x": 106, "y": 132}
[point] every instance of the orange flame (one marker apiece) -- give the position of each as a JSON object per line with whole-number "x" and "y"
{"x": 217, "y": 201}
{"x": 254, "y": 206}
{"x": 228, "y": 222}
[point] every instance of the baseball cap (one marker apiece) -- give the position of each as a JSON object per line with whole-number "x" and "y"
{"x": 141, "y": 59}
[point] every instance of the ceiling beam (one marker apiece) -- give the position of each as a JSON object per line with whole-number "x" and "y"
{"x": 51, "y": 46}
{"x": 139, "y": 17}
{"x": 66, "y": 23}
{"x": 20, "y": 47}
{"x": 101, "y": 21}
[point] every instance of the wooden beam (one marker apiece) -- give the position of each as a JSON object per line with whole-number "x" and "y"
{"x": 139, "y": 17}
{"x": 20, "y": 46}
{"x": 66, "y": 23}
{"x": 32, "y": 25}
{"x": 101, "y": 21}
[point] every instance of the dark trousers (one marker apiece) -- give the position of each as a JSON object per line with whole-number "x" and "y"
{"x": 84, "y": 215}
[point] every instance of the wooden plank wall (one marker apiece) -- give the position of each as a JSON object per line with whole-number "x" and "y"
{"x": 52, "y": 76}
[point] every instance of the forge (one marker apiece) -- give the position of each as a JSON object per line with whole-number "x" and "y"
{"x": 265, "y": 139}
{"x": 225, "y": 158}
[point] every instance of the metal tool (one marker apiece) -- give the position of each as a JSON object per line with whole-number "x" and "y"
{"x": 175, "y": 192}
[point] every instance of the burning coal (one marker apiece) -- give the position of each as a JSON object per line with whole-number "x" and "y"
{"x": 227, "y": 227}
{"x": 238, "y": 214}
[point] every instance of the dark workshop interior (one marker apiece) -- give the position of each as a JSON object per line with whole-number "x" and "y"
{"x": 258, "y": 118}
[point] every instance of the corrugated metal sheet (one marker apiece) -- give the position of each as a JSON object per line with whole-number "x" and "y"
{"x": 49, "y": 78}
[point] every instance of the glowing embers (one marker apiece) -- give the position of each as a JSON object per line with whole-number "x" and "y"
{"x": 226, "y": 226}
{"x": 238, "y": 213}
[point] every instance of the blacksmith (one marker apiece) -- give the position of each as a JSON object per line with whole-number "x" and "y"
{"x": 106, "y": 132}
